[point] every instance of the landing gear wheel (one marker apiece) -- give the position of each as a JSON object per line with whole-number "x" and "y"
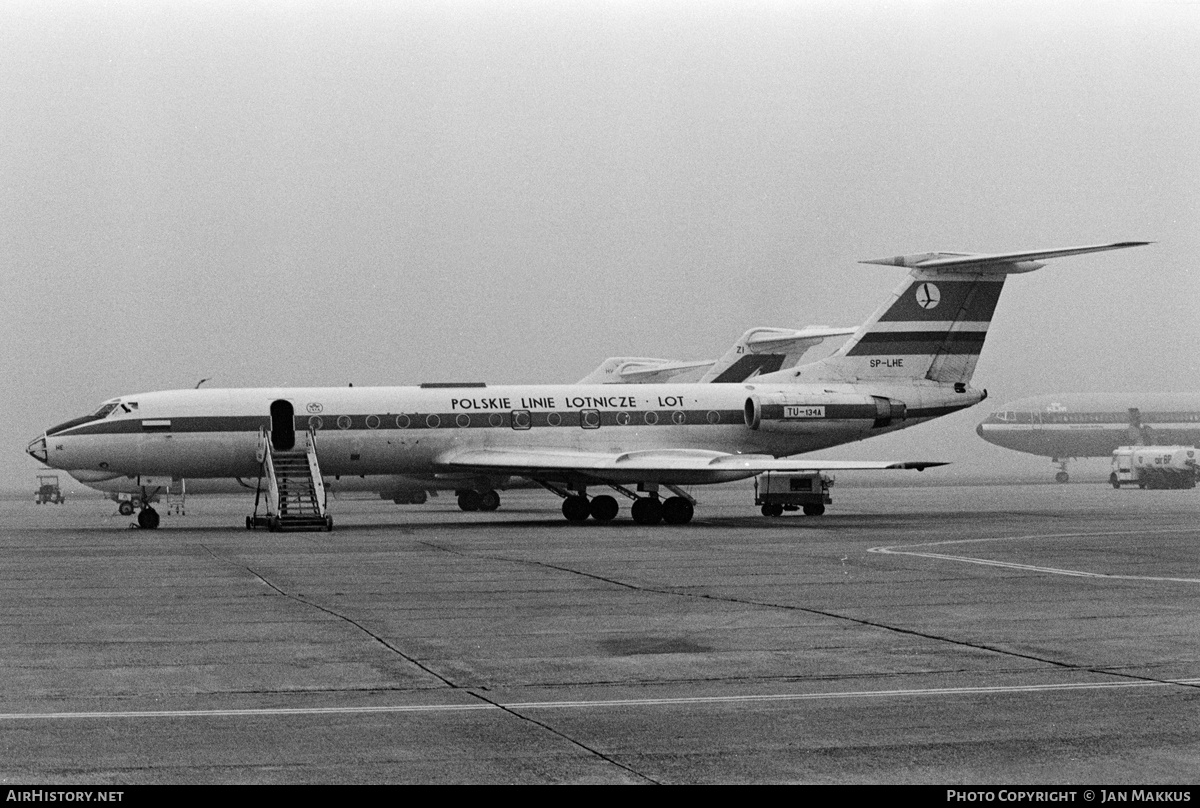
{"x": 772, "y": 510}
{"x": 603, "y": 508}
{"x": 249, "y": 523}
{"x": 1112, "y": 478}
{"x": 419, "y": 498}
{"x": 576, "y": 509}
{"x": 148, "y": 519}
{"x": 647, "y": 511}
{"x": 677, "y": 511}
{"x": 1062, "y": 477}
{"x": 814, "y": 510}
{"x": 489, "y": 501}
{"x": 273, "y": 524}
{"x": 328, "y": 523}
{"x": 469, "y": 500}
{"x": 125, "y": 508}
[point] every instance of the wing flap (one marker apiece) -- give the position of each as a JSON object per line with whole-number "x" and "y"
{"x": 689, "y": 465}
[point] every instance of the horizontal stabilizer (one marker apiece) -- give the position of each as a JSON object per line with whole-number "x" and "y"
{"x": 1000, "y": 261}
{"x": 782, "y": 340}
{"x": 641, "y": 370}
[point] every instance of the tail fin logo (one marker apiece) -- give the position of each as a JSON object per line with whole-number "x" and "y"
{"x": 928, "y": 296}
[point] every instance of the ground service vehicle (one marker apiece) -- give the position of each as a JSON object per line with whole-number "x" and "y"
{"x": 48, "y": 490}
{"x": 779, "y": 491}
{"x": 1155, "y": 466}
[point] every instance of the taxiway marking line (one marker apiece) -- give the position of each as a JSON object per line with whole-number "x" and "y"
{"x": 903, "y": 549}
{"x": 602, "y": 704}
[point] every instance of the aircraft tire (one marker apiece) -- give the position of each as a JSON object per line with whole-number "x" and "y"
{"x": 488, "y": 501}
{"x": 148, "y": 519}
{"x": 814, "y": 510}
{"x": 328, "y": 523}
{"x": 677, "y": 511}
{"x": 125, "y": 508}
{"x": 420, "y": 498}
{"x": 603, "y": 508}
{"x": 772, "y": 510}
{"x": 469, "y": 500}
{"x": 1112, "y": 478}
{"x": 576, "y": 509}
{"x": 1062, "y": 477}
{"x": 647, "y": 511}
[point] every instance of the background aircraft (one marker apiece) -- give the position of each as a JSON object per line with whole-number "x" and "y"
{"x": 1072, "y": 425}
{"x": 758, "y": 351}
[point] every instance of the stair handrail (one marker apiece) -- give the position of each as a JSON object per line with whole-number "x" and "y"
{"x": 268, "y": 466}
{"x": 314, "y": 470}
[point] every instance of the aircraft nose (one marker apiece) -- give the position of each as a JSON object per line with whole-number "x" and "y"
{"x": 37, "y": 449}
{"x": 979, "y": 429}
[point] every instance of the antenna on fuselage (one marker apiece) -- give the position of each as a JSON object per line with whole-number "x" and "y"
{"x": 202, "y": 381}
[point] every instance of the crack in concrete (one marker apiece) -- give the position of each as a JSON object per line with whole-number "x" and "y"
{"x": 473, "y": 692}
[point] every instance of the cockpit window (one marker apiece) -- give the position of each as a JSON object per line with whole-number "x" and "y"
{"x": 129, "y": 406}
{"x": 105, "y": 409}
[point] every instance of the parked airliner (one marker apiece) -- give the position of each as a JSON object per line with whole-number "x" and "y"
{"x": 758, "y": 350}
{"x": 1070, "y": 425}
{"x": 910, "y": 362}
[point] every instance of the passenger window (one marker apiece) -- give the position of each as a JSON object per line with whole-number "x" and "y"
{"x": 521, "y": 419}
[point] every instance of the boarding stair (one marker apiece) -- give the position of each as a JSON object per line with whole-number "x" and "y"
{"x": 290, "y": 488}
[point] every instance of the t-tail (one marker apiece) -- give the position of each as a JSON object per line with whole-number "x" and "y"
{"x": 935, "y": 322}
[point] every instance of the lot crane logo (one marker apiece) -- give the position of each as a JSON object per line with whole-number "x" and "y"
{"x": 928, "y": 296}
{"x": 314, "y": 408}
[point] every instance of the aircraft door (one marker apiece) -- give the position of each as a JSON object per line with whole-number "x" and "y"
{"x": 283, "y": 425}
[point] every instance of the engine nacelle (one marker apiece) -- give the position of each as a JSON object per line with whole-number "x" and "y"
{"x": 798, "y": 412}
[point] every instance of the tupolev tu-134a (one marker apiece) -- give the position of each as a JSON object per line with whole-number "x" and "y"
{"x": 759, "y": 350}
{"x": 909, "y": 363}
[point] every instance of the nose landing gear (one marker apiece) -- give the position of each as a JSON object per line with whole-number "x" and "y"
{"x": 1062, "y": 476}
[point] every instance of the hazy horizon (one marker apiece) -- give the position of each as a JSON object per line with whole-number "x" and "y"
{"x": 316, "y": 193}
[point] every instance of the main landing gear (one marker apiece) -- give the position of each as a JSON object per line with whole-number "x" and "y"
{"x": 471, "y": 500}
{"x": 148, "y": 519}
{"x": 577, "y": 507}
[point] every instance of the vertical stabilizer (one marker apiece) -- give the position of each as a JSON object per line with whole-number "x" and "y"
{"x": 934, "y": 325}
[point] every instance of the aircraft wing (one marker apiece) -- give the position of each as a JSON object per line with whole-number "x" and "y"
{"x": 683, "y": 466}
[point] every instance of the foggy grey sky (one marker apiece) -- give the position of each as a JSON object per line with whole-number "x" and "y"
{"x": 310, "y": 193}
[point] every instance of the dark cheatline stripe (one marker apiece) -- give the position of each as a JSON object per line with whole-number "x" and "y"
{"x": 935, "y": 412}
{"x": 895, "y": 343}
{"x": 54, "y": 430}
{"x": 483, "y": 420}
{"x": 971, "y": 301}
{"x": 210, "y": 423}
{"x": 745, "y": 367}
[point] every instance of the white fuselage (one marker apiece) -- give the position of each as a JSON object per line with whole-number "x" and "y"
{"x": 411, "y": 430}
{"x": 1093, "y": 424}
